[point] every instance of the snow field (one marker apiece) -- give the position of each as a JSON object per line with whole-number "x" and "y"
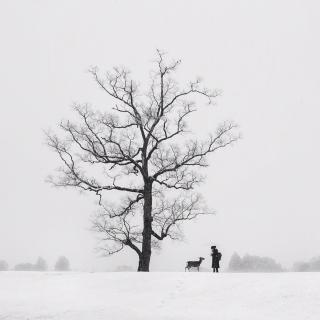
{"x": 169, "y": 296}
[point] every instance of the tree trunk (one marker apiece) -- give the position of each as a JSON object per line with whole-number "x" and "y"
{"x": 144, "y": 259}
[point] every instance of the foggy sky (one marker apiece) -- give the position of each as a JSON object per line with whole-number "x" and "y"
{"x": 263, "y": 55}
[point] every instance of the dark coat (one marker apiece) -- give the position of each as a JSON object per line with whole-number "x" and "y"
{"x": 216, "y": 257}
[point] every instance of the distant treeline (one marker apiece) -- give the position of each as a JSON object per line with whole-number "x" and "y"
{"x": 312, "y": 265}
{"x": 62, "y": 264}
{"x": 248, "y": 263}
{"x": 251, "y": 263}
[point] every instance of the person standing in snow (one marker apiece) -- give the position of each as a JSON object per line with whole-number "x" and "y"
{"x": 216, "y": 257}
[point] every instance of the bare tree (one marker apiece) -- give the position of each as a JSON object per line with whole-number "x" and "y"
{"x": 142, "y": 149}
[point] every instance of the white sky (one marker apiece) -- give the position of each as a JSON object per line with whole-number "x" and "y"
{"x": 264, "y": 55}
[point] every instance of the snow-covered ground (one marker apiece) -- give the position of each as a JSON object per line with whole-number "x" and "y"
{"x": 139, "y": 296}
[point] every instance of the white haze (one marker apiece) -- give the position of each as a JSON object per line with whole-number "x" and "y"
{"x": 264, "y": 55}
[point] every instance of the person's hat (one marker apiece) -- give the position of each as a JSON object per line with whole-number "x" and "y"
{"x": 212, "y": 247}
